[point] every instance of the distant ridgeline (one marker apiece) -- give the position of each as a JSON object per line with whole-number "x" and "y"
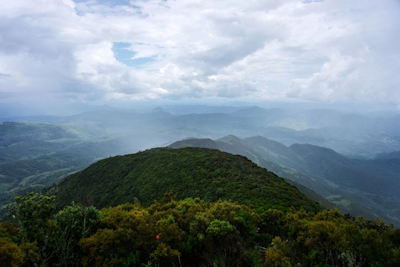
{"x": 188, "y": 172}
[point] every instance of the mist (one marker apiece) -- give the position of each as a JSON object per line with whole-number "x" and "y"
{"x": 355, "y": 130}
{"x": 339, "y": 150}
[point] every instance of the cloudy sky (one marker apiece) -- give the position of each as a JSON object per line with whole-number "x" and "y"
{"x": 111, "y": 50}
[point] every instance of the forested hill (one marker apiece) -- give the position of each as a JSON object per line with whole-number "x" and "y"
{"x": 187, "y": 172}
{"x": 368, "y": 188}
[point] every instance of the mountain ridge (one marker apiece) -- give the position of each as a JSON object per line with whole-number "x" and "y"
{"x": 187, "y": 172}
{"x": 350, "y": 184}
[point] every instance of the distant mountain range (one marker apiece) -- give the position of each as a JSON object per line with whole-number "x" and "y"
{"x": 353, "y": 134}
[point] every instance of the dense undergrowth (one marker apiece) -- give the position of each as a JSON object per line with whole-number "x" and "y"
{"x": 191, "y": 232}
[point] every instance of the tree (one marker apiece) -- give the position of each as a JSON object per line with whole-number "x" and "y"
{"x": 33, "y": 215}
{"x": 73, "y": 222}
{"x": 10, "y": 254}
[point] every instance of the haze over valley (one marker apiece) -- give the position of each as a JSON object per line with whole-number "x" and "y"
{"x": 349, "y": 158}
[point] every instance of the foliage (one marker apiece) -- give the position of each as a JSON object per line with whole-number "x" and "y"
{"x": 274, "y": 218}
{"x": 189, "y": 230}
{"x": 192, "y": 232}
{"x": 73, "y": 223}
{"x": 79, "y": 220}
{"x": 9, "y": 231}
{"x": 324, "y": 172}
{"x": 10, "y": 254}
{"x": 32, "y": 213}
{"x": 14, "y": 249}
{"x": 35, "y": 156}
{"x": 329, "y": 239}
{"x": 188, "y": 172}
{"x": 132, "y": 260}
{"x": 219, "y": 228}
{"x": 44, "y": 241}
{"x": 274, "y": 256}
{"x": 31, "y": 253}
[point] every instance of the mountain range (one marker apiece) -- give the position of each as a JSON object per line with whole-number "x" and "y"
{"x": 351, "y": 159}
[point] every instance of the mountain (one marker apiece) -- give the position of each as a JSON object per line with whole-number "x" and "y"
{"x": 347, "y": 141}
{"x": 35, "y": 155}
{"x": 327, "y": 164}
{"x": 236, "y": 146}
{"x": 353, "y": 134}
{"x": 255, "y": 111}
{"x": 187, "y": 172}
{"x": 277, "y": 152}
{"x": 199, "y": 109}
{"x": 14, "y": 133}
{"x": 391, "y": 155}
{"x": 359, "y": 187}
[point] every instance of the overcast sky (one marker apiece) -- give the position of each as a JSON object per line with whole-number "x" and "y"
{"x": 88, "y": 51}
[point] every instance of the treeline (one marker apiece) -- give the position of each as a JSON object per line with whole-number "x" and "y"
{"x": 190, "y": 232}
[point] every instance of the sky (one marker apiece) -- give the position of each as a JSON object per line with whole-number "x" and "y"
{"x": 55, "y": 52}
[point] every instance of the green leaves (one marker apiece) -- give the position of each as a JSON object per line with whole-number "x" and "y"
{"x": 193, "y": 232}
{"x": 72, "y": 223}
{"x": 33, "y": 213}
{"x": 188, "y": 172}
{"x": 79, "y": 219}
{"x": 219, "y": 228}
{"x": 10, "y": 254}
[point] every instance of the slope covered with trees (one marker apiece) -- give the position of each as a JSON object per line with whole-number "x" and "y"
{"x": 188, "y": 172}
{"x": 360, "y": 187}
{"x": 141, "y": 225}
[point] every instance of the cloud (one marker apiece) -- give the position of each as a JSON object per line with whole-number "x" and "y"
{"x": 329, "y": 81}
{"x": 313, "y": 50}
{"x": 366, "y": 77}
{"x": 3, "y": 75}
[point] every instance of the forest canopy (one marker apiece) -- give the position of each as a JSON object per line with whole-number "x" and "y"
{"x": 191, "y": 232}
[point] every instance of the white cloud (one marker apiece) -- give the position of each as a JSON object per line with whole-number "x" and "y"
{"x": 329, "y": 81}
{"x": 322, "y": 51}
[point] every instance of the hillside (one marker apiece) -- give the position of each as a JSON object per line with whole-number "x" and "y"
{"x": 22, "y": 140}
{"x": 237, "y": 146}
{"x": 359, "y": 187}
{"x": 189, "y": 172}
{"x": 36, "y": 155}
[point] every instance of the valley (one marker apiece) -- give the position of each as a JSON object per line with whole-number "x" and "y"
{"x": 302, "y": 146}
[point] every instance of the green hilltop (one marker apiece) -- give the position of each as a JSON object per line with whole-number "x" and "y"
{"x": 188, "y": 172}
{"x": 368, "y": 188}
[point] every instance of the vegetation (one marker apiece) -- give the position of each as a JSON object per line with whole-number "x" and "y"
{"x": 227, "y": 212}
{"x": 350, "y": 184}
{"x": 191, "y": 232}
{"x": 34, "y": 156}
{"x": 188, "y": 172}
